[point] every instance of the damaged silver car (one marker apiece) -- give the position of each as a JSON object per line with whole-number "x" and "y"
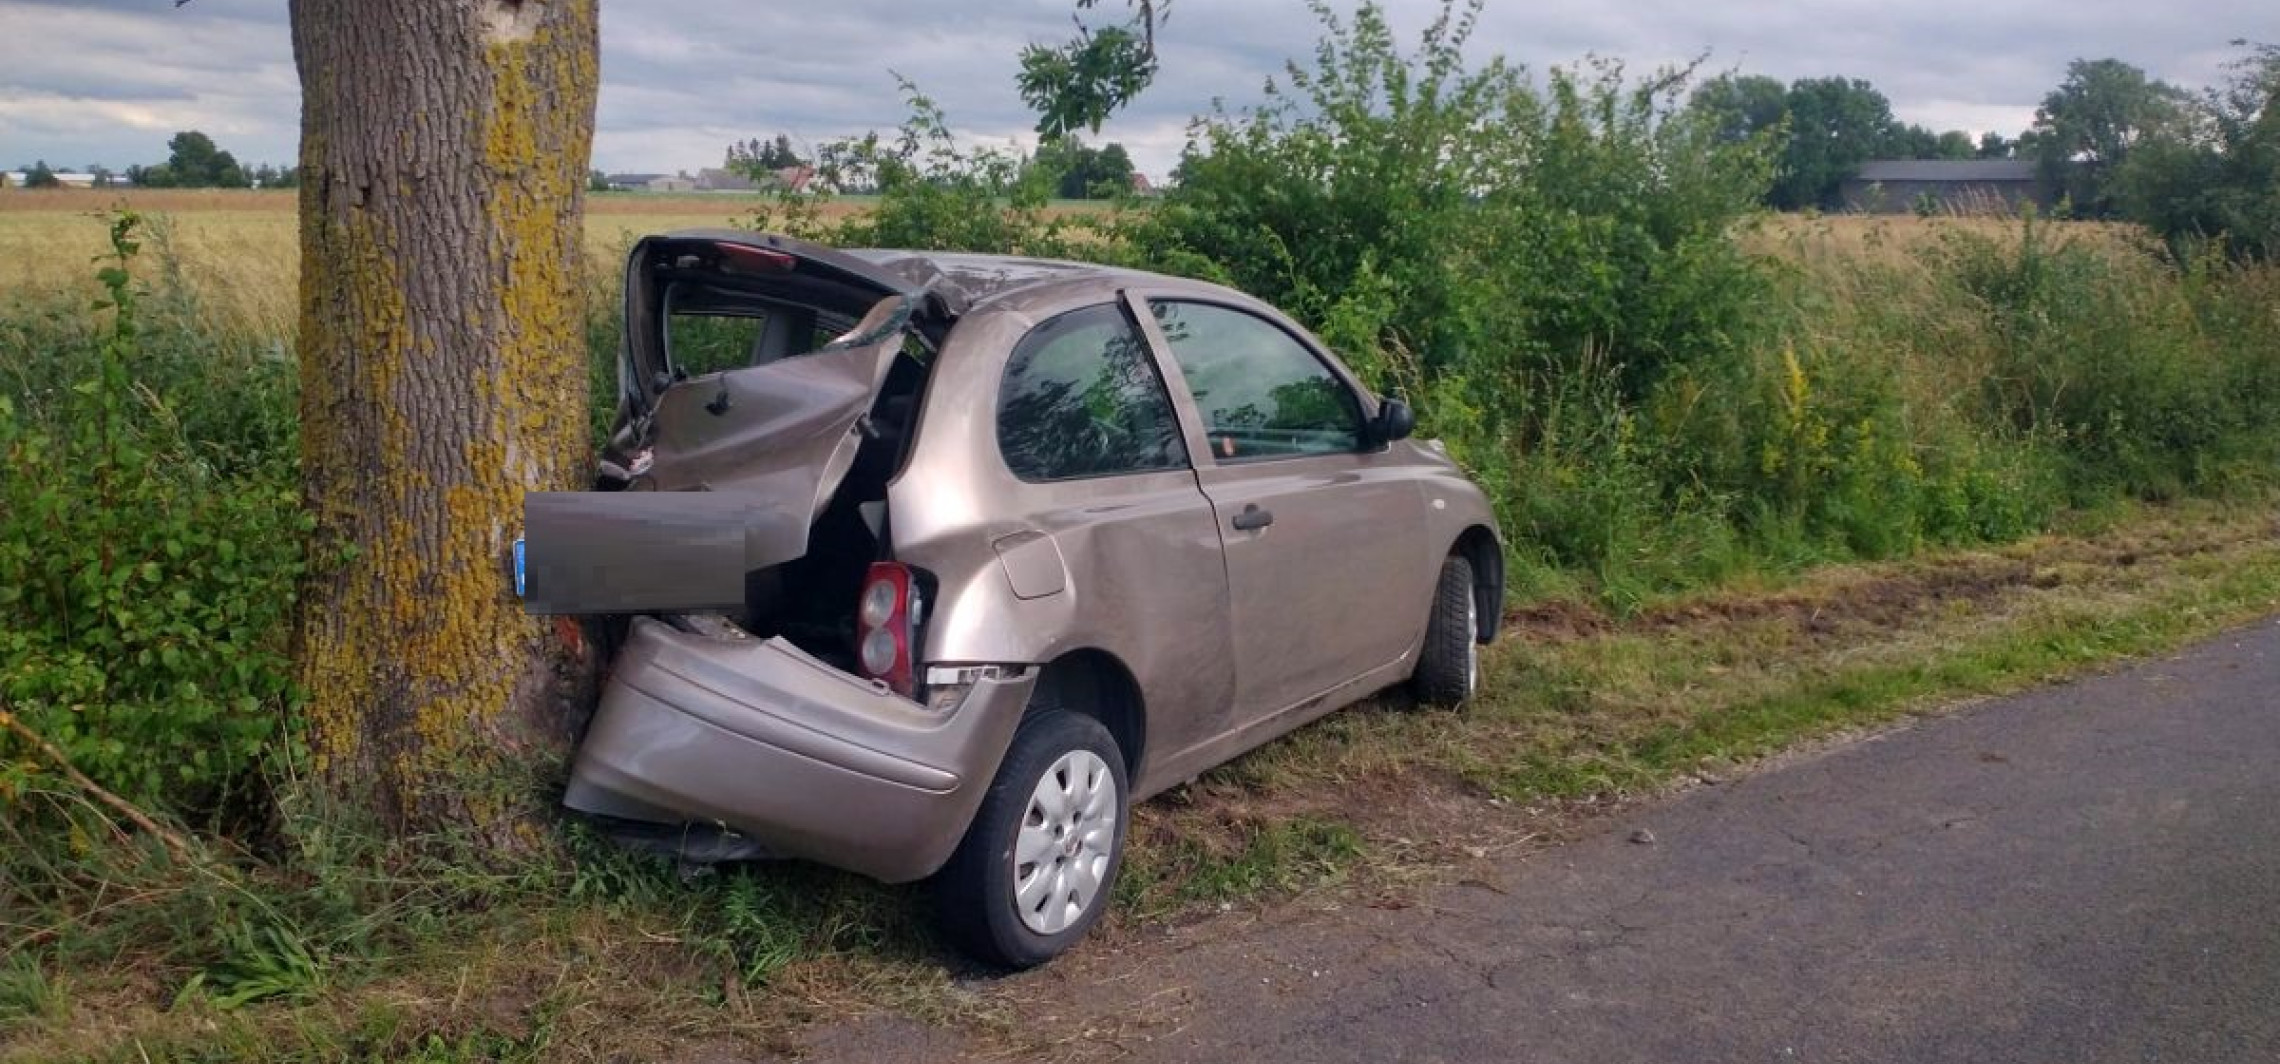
{"x": 930, "y": 565}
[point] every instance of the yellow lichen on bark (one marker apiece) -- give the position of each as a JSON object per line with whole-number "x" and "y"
{"x": 536, "y": 368}
{"x": 352, "y": 257}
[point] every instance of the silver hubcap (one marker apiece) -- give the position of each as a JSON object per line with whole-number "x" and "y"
{"x": 1068, "y": 832}
{"x": 1472, "y": 641}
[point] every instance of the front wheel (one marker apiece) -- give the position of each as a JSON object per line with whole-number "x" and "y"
{"x": 1039, "y": 862}
{"x": 1448, "y": 667}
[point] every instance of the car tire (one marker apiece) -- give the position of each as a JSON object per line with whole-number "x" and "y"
{"x": 1448, "y": 667}
{"x": 1061, "y": 800}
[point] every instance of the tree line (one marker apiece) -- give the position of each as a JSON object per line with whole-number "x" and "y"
{"x": 193, "y": 161}
{"x": 2109, "y": 141}
{"x": 1063, "y": 162}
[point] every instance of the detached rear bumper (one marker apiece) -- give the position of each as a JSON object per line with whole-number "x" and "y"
{"x": 811, "y": 762}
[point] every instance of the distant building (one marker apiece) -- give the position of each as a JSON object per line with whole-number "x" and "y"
{"x": 713, "y": 179}
{"x": 65, "y": 178}
{"x": 1946, "y": 186}
{"x": 794, "y": 178}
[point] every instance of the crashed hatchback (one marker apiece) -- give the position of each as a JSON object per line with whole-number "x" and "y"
{"x": 930, "y": 564}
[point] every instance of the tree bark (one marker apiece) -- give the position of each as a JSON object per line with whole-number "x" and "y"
{"x": 444, "y": 147}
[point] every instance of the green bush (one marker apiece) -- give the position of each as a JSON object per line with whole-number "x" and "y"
{"x": 150, "y": 539}
{"x": 2099, "y": 353}
{"x": 1553, "y": 270}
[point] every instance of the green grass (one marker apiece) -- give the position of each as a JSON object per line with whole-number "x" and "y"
{"x": 381, "y": 958}
{"x": 1181, "y": 870}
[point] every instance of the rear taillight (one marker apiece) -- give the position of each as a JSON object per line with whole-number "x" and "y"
{"x": 884, "y": 620}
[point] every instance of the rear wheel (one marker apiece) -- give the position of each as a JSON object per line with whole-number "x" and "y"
{"x": 1448, "y": 667}
{"x": 1039, "y": 862}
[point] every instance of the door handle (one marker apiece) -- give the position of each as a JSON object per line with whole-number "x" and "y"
{"x": 1252, "y": 519}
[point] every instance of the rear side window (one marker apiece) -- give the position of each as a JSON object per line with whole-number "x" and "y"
{"x": 1082, "y": 398}
{"x": 699, "y": 344}
{"x": 1262, "y": 394}
{"x": 712, "y": 328}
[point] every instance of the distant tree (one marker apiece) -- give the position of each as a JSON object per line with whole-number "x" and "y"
{"x": 1079, "y": 83}
{"x": 1835, "y": 124}
{"x": 1111, "y": 172}
{"x": 1908, "y": 141}
{"x": 1741, "y": 106}
{"x": 267, "y": 176}
{"x": 1080, "y": 172}
{"x": 2217, "y": 171}
{"x": 761, "y": 159}
{"x": 780, "y": 153}
{"x": 1992, "y": 145}
{"x": 597, "y": 181}
{"x": 193, "y": 161}
{"x": 39, "y": 176}
{"x": 1956, "y": 144}
{"x": 1183, "y": 167}
{"x": 2087, "y": 126}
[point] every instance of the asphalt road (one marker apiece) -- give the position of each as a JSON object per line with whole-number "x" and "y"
{"x": 2085, "y": 873}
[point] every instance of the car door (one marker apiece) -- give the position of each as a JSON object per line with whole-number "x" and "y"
{"x": 1086, "y": 425}
{"x": 1321, "y": 535}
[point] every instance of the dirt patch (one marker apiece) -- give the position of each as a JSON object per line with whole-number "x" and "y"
{"x": 1883, "y": 601}
{"x": 1835, "y": 603}
{"x": 1556, "y": 621}
{"x": 1820, "y": 608}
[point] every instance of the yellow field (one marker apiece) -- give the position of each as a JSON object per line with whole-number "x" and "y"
{"x": 238, "y": 249}
{"x": 1811, "y": 239}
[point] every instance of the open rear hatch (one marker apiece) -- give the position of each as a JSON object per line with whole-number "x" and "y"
{"x": 756, "y": 370}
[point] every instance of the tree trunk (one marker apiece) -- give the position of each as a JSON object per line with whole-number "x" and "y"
{"x": 444, "y": 146}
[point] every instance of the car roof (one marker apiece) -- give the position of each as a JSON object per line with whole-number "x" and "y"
{"x": 964, "y": 280}
{"x": 984, "y": 278}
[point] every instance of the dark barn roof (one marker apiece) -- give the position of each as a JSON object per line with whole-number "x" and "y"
{"x": 1972, "y": 170}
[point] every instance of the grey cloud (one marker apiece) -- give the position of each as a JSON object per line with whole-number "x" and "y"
{"x": 681, "y": 78}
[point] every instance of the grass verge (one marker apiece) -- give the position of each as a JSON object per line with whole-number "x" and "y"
{"x": 624, "y": 959}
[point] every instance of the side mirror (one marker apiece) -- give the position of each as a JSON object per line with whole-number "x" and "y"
{"x": 1394, "y": 421}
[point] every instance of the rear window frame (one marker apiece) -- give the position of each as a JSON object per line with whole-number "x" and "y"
{"x": 1182, "y": 459}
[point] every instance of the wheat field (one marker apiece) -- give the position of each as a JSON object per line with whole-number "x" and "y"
{"x": 238, "y": 248}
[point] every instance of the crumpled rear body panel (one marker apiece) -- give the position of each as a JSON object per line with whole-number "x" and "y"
{"x": 740, "y": 465}
{"x": 759, "y": 738}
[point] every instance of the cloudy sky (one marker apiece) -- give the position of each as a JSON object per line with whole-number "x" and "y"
{"x": 108, "y": 81}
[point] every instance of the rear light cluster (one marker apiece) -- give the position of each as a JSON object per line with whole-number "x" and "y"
{"x": 885, "y": 626}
